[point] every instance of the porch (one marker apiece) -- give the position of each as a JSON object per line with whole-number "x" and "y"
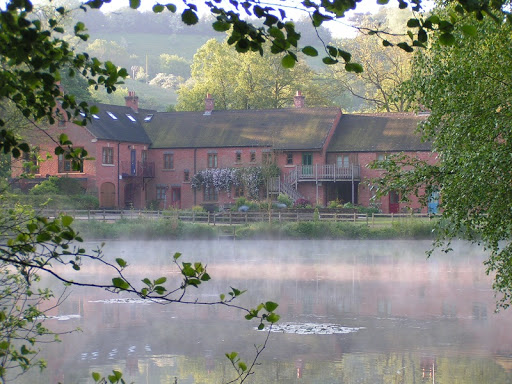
{"x": 321, "y": 172}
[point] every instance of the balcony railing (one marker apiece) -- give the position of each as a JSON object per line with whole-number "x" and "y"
{"x": 322, "y": 172}
{"x": 141, "y": 169}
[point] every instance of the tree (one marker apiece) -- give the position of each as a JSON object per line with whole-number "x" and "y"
{"x": 467, "y": 89}
{"x": 175, "y": 65}
{"x": 33, "y": 56}
{"x": 245, "y": 81}
{"x": 386, "y": 70}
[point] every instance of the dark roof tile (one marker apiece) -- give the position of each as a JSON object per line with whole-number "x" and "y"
{"x": 304, "y": 128}
{"x": 121, "y": 129}
{"x": 383, "y": 132}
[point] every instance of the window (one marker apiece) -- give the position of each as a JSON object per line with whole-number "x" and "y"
{"x": 238, "y": 157}
{"x": 160, "y": 192}
{"x": 266, "y": 158}
{"x": 144, "y": 156}
{"x": 210, "y": 194}
{"x": 253, "y": 157}
{"x": 381, "y": 156}
{"x": 239, "y": 191}
{"x": 30, "y": 164}
{"x": 108, "y": 155}
{"x": 66, "y": 165}
{"x": 114, "y": 117}
{"x": 186, "y": 175}
{"x": 168, "y": 161}
{"x": 343, "y": 161}
{"x": 132, "y": 119}
{"x": 212, "y": 160}
{"x": 289, "y": 158}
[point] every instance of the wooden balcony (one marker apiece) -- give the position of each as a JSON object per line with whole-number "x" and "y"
{"x": 141, "y": 169}
{"x": 322, "y": 172}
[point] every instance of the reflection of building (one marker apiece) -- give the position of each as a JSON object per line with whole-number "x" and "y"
{"x": 143, "y": 156}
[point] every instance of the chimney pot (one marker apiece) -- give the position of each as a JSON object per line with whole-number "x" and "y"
{"x": 132, "y": 101}
{"x": 209, "y": 104}
{"x": 298, "y": 100}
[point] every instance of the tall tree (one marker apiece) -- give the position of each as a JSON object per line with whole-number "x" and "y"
{"x": 386, "y": 70}
{"x": 245, "y": 81}
{"x": 467, "y": 87}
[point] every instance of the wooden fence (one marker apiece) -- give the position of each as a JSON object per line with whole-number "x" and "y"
{"x": 234, "y": 218}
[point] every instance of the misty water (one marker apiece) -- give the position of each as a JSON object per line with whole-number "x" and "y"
{"x": 351, "y": 312}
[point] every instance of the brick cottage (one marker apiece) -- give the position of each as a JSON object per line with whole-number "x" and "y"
{"x": 143, "y": 156}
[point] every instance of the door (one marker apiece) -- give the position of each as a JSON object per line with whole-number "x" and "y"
{"x": 133, "y": 162}
{"x": 394, "y": 205}
{"x": 307, "y": 164}
{"x": 176, "y": 197}
{"x": 108, "y": 195}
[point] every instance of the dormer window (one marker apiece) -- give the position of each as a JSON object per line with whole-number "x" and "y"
{"x": 114, "y": 117}
{"x": 131, "y": 117}
{"x": 95, "y": 116}
{"x": 148, "y": 118}
{"x": 82, "y": 114}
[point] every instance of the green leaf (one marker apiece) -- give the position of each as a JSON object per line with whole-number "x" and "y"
{"x": 134, "y": 4}
{"x": 261, "y": 326}
{"x": 121, "y": 262}
{"x": 413, "y": 23}
{"x": 354, "y": 67}
{"x": 171, "y": 7}
{"x": 382, "y": 2}
{"x": 288, "y": 61}
{"x": 147, "y": 282}
{"x": 222, "y": 297}
{"x": 242, "y": 366}
{"x": 221, "y": 26}
{"x": 120, "y": 283}
{"x": 273, "y": 318}
{"x": 189, "y": 17}
{"x": 329, "y": 60}
{"x": 66, "y": 220}
{"x": 176, "y": 256}
{"x": 158, "y": 8}
{"x": 160, "y": 280}
{"x": 469, "y": 30}
{"x": 310, "y": 51}
{"x": 447, "y": 39}
{"x": 270, "y": 306}
{"x": 96, "y": 376}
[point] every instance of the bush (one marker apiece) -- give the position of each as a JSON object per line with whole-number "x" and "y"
{"x": 302, "y": 203}
{"x": 58, "y": 186}
{"x": 285, "y": 199}
{"x": 197, "y": 208}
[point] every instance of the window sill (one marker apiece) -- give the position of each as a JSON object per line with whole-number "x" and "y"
{"x": 107, "y": 165}
{"x": 168, "y": 170}
{"x": 289, "y": 166}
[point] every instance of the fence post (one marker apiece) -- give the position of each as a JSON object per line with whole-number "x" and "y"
{"x": 193, "y": 216}
{"x": 104, "y": 216}
{"x": 230, "y": 217}
{"x": 373, "y": 219}
{"x": 335, "y": 216}
{"x": 392, "y": 216}
{"x": 355, "y": 217}
{"x": 245, "y": 217}
{"x": 208, "y": 217}
{"x": 89, "y": 215}
{"x": 279, "y": 216}
{"x": 214, "y": 218}
{"x": 297, "y": 215}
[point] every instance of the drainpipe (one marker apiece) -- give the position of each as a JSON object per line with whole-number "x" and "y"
{"x": 195, "y": 170}
{"x": 118, "y": 174}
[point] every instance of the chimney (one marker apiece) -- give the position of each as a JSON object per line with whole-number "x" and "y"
{"x": 298, "y": 100}
{"x": 132, "y": 101}
{"x": 209, "y": 103}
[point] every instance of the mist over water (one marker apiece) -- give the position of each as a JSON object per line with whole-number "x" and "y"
{"x": 351, "y": 312}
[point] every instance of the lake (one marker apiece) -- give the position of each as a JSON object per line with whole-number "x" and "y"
{"x": 351, "y": 312}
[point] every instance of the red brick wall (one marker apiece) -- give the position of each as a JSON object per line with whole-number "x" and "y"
{"x": 196, "y": 160}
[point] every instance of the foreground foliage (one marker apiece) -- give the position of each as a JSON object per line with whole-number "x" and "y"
{"x": 467, "y": 88}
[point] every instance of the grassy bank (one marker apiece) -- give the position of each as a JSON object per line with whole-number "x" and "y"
{"x": 174, "y": 229}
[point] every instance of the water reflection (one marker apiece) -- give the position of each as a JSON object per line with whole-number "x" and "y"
{"x": 415, "y": 320}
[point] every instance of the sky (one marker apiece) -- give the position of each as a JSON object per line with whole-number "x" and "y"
{"x": 338, "y": 28}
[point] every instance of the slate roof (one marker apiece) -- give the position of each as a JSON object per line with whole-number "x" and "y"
{"x": 123, "y": 129}
{"x": 290, "y": 129}
{"x": 382, "y": 132}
